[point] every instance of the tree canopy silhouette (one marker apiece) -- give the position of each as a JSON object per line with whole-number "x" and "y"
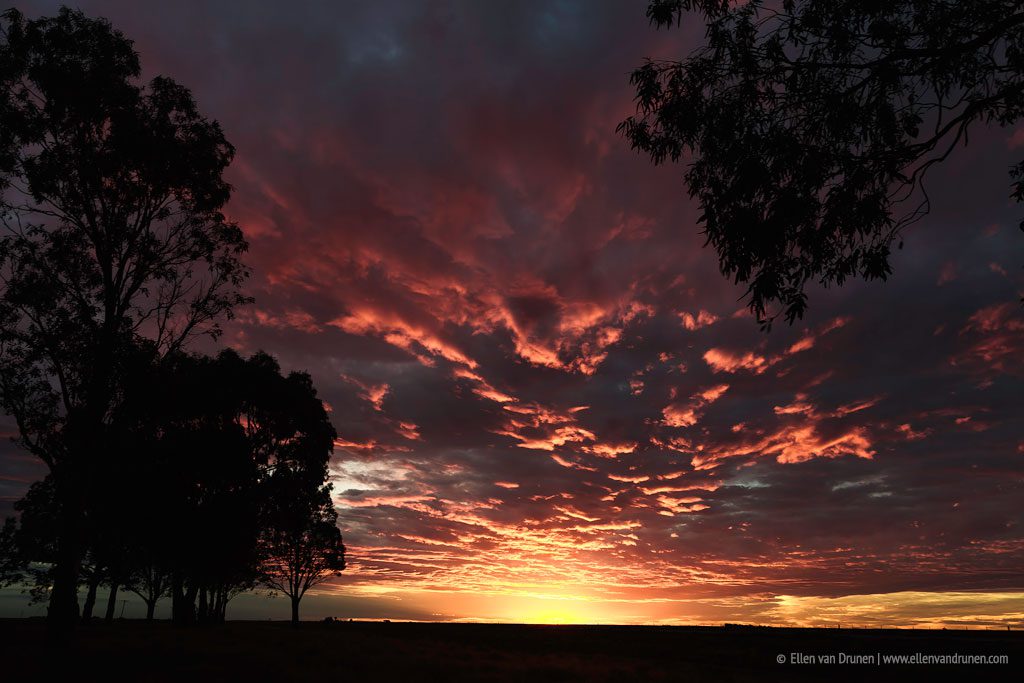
{"x": 222, "y": 434}
{"x": 214, "y": 483}
{"x": 300, "y": 543}
{"x": 28, "y": 542}
{"x": 112, "y": 239}
{"x": 809, "y": 127}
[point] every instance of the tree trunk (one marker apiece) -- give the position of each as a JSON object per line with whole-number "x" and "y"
{"x": 203, "y": 612}
{"x": 62, "y": 614}
{"x": 224, "y": 605}
{"x": 295, "y": 610}
{"x": 189, "y": 615}
{"x": 111, "y": 602}
{"x": 159, "y": 586}
{"x": 183, "y": 605}
{"x": 90, "y": 597}
{"x": 215, "y": 610}
{"x": 177, "y": 598}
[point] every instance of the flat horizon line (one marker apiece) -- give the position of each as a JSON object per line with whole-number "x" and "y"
{"x": 726, "y": 626}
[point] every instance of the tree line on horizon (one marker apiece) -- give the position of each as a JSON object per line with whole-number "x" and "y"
{"x": 213, "y": 485}
{"x": 169, "y": 473}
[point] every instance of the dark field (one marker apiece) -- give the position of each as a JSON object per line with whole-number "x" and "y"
{"x": 370, "y": 651}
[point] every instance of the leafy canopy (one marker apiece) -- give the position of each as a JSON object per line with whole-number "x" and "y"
{"x": 111, "y": 231}
{"x": 809, "y": 127}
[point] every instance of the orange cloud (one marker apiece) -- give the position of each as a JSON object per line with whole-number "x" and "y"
{"x": 686, "y": 414}
{"x": 694, "y": 322}
{"x": 809, "y": 435}
{"x": 721, "y": 360}
{"x": 402, "y": 334}
{"x": 374, "y": 393}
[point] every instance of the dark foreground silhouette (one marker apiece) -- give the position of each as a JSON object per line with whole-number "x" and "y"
{"x": 375, "y": 651}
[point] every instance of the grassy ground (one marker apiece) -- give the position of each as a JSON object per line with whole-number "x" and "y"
{"x": 367, "y": 651}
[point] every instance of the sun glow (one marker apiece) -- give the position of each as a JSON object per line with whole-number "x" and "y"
{"x": 557, "y": 611}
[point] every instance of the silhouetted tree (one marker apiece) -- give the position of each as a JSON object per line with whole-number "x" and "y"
{"x": 29, "y": 548}
{"x": 12, "y": 564}
{"x": 110, "y": 198}
{"x": 148, "y": 578}
{"x": 809, "y": 127}
{"x": 221, "y": 433}
{"x": 29, "y": 541}
{"x": 92, "y": 576}
{"x": 214, "y": 468}
{"x": 300, "y": 542}
{"x": 204, "y": 512}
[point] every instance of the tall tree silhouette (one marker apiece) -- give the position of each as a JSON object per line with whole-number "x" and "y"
{"x": 809, "y": 127}
{"x": 300, "y": 543}
{"x": 111, "y": 235}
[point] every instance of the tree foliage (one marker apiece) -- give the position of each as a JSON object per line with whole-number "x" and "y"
{"x": 215, "y": 467}
{"x": 111, "y": 218}
{"x": 809, "y": 127}
{"x": 221, "y": 431}
{"x": 28, "y": 542}
{"x": 112, "y": 242}
{"x": 300, "y": 543}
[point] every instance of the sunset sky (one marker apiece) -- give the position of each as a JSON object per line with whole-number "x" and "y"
{"x": 551, "y": 406}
